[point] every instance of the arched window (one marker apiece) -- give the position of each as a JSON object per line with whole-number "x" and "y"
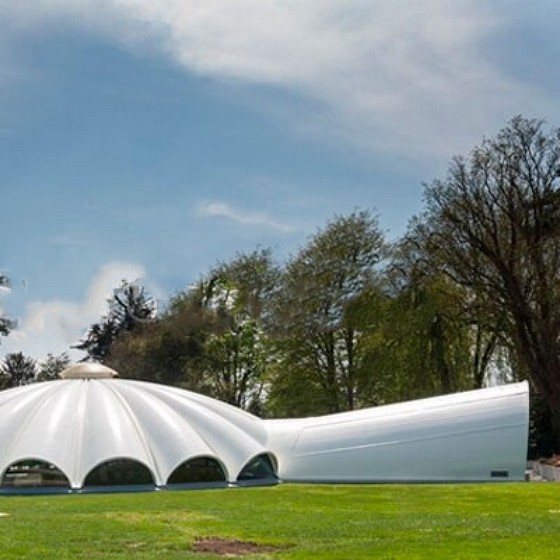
{"x": 32, "y": 473}
{"x": 120, "y": 472}
{"x": 198, "y": 470}
{"x": 260, "y": 469}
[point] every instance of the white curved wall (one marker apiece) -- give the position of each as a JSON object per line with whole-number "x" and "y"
{"x": 472, "y": 436}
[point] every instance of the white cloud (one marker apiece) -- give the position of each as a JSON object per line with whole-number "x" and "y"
{"x": 221, "y": 209}
{"x": 52, "y": 326}
{"x": 401, "y": 76}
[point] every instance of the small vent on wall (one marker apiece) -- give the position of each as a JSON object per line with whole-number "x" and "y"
{"x": 499, "y": 474}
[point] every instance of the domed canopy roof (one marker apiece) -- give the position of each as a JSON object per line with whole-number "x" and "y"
{"x": 89, "y": 419}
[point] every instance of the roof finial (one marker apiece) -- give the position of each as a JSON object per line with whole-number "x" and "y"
{"x": 88, "y": 370}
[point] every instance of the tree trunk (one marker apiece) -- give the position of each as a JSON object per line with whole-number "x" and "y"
{"x": 542, "y": 359}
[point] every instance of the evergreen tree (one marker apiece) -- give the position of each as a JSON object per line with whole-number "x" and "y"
{"x": 17, "y": 370}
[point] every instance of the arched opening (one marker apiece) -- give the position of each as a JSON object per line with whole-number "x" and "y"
{"x": 259, "y": 470}
{"x": 32, "y": 473}
{"x": 200, "y": 470}
{"x": 120, "y": 472}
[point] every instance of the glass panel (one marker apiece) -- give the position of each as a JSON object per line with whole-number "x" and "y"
{"x": 201, "y": 469}
{"x": 259, "y": 468}
{"x": 121, "y": 472}
{"x": 31, "y": 473}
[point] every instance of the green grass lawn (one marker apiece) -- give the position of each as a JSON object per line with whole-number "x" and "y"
{"x": 509, "y": 520}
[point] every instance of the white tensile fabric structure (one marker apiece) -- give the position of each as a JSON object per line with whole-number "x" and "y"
{"x": 472, "y": 436}
{"x": 92, "y": 431}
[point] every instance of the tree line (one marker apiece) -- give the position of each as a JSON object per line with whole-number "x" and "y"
{"x": 469, "y": 296}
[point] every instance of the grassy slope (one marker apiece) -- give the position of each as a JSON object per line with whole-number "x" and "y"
{"x": 494, "y": 521}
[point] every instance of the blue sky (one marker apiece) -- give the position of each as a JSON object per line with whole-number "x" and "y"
{"x": 148, "y": 140}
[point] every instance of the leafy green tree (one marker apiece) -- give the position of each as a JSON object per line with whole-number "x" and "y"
{"x": 254, "y": 277}
{"x": 238, "y": 350}
{"x": 211, "y": 338}
{"x": 493, "y": 225}
{"x": 52, "y": 366}
{"x": 318, "y": 338}
{"x": 235, "y": 363}
{"x": 17, "y": 370}
{"x": 430, "y": 340}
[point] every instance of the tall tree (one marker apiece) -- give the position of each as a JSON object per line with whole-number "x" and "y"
{"x": 17, "y": 370}
{"x": 493, "y": 225}
{"x": 428, "y": 340}
{"x": 129, "y": 308}
{"x": 453, "y": 315}
{"x": 319, "y": 339}
{"x": 238, "y": 352}
{"x": 211, "y": 338}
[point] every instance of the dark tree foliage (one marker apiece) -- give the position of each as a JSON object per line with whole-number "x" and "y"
{"x": 428, "y": 340}
{"x": 456, "y": 320}
{"x": 5, "y": 323}
{"x": 318, "y": 337}
{"x": 493, "y": 225}
{"x": 52, "y": 366}
{"x": 129, "y": 308}
{"x": 168, "y": 349}
{"x": 17, "y": 370}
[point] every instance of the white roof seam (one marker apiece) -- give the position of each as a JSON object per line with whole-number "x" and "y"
{"x": 78, "y": 477}
{"x": 130, "y": 413}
